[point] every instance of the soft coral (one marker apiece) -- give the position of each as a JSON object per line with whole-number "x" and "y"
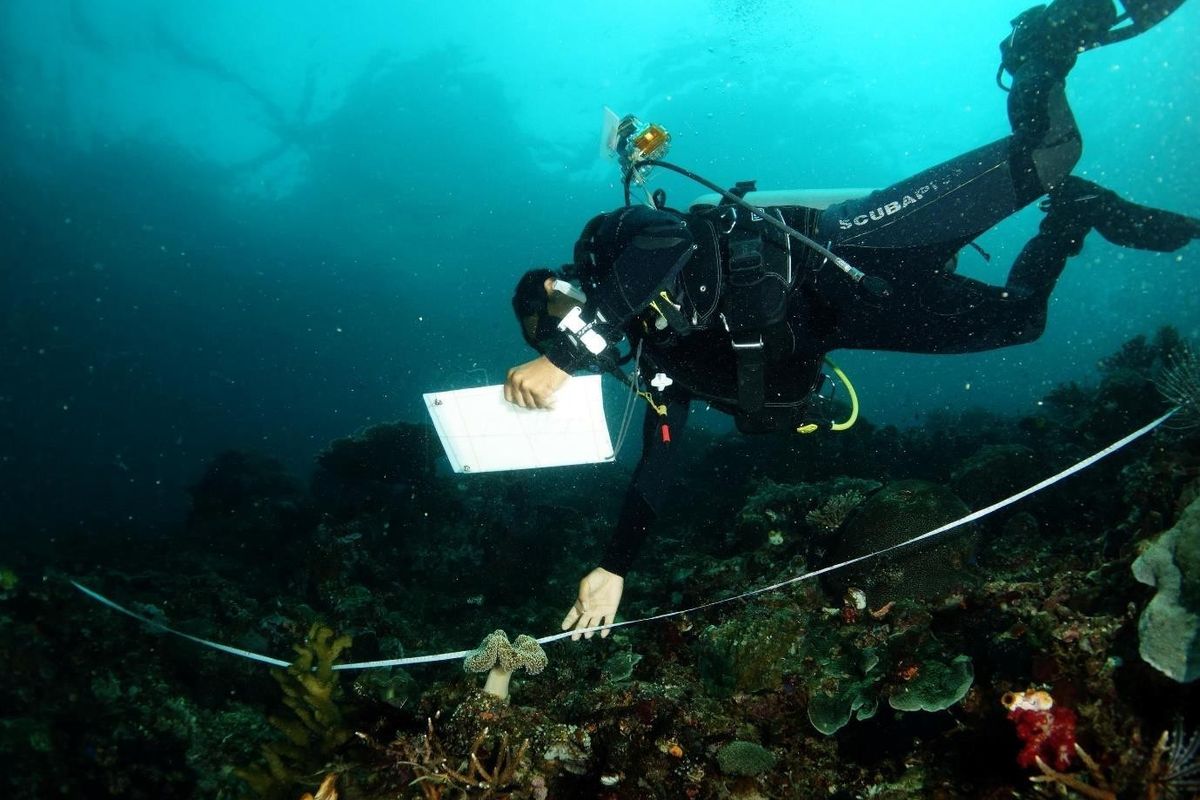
{"x": 1048, "y": 733}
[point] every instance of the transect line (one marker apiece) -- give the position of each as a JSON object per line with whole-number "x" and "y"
{"x": 460, "y": 654}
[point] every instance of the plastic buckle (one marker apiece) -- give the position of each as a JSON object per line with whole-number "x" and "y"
{"x": 749, "y": 345}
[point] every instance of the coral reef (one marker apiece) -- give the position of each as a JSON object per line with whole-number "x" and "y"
{"x": 884, "y": 682}
{"x": 383, "y": 467}
{"x": 854, "y": 664}
{"x": 1170, "y": 770}
{"x": 488, "y": 769}
{"x": 8, "y": 583}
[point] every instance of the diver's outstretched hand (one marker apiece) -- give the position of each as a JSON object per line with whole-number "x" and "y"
{"x": 533, "y": 384}
{"x": 599, "y": 597}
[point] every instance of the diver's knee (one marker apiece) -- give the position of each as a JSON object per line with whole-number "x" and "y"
{"x": 1058, "y": 153}
{"x": 1031, "y": 330}
{"x": 1052, "y": 139}
{"x": 1046, "y": 144}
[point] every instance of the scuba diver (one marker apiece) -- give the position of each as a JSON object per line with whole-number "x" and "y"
{"x": 737, "y": 304}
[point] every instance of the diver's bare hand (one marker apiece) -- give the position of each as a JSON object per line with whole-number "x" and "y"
{"x": 599, "y": 598}
{"x": 533, "y": 384}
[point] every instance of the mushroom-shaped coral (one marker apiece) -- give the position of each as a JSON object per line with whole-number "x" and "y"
{"x": 499, "y": 658}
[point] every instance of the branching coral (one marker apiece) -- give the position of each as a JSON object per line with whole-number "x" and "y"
{"x": 308, "y": 686}
{"x": 489, "y": 770}
{"x": 1171, "y": 770}
{"x": 1099, "y": 789}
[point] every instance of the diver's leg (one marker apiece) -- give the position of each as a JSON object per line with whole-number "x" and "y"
{"x": 1040, "y": 51}
{"x": 959, "y": 199}
{"x": 950, "y": 204}
{"x": 947, "y": 205}
{"x": 934, "y": 311}
{"x": 1075, "y": 209}
{"x": 652, "y": 489}
{"x": 954, "y": 202}
{"x": 1122, "y": 222}
{"x": 942, "y": 313}
{"x": 1056, "y": 34}
{"x": 1045, "y": 145}
{"x": 1052, "y": 37}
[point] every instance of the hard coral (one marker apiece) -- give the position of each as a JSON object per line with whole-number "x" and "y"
{"x": 489, "y": 770}
{"x": 745, "y": 758}
{"x": 1171, "y": 770}
{"x": 1169, "y": 626}
{"x": 895, "y": 513}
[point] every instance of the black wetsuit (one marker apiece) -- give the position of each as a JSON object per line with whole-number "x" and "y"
{"x": 906, "y": 234}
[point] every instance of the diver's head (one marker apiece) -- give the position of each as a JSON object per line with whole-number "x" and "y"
{"x": 538, "y": 306}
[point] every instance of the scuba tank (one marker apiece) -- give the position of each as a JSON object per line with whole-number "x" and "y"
{"x": 810, "y": 198}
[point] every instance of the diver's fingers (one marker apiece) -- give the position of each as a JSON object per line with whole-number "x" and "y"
{"x": 570, "y": 619}
{"x": 518, "y": 394}
{"x": 510, "y": 392}
{"x": 607, "y": 619}
{"x": 589, "y": 622}
{"x": 580, "y": 623}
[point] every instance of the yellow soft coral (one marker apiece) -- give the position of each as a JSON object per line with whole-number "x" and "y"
{"x": 308, "y": 686}
{"x": 315, "y": 730}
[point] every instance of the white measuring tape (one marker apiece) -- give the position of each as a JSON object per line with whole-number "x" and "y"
{"x": 455, "y": 656}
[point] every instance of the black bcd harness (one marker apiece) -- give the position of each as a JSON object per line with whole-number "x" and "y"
{"x": 741, "y": 278}
{"x": 753, "y": 306}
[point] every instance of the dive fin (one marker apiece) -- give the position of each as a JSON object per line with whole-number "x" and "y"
{"x": 1053, "y": 35}
{"x": 1079, "y": 205}
{"x": 1142, "y": 15}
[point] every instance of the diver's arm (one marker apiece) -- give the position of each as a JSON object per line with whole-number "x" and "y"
{"x": 652, "y": 488}
{"x": 601, "y": 589}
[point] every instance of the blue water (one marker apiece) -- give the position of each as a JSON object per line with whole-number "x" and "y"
{"x": 268, "y": 225}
